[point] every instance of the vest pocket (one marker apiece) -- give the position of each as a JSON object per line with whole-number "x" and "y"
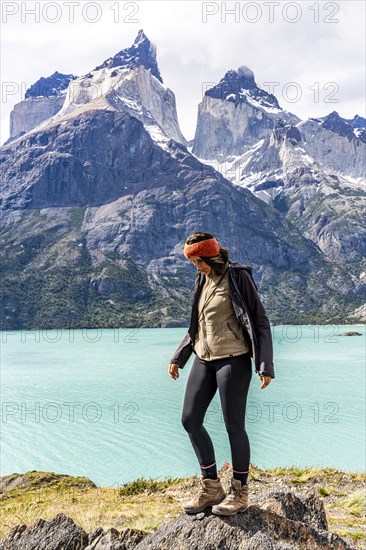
{"x": 232, "y": 331}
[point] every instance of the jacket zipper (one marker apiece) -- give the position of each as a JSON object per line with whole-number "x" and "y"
{"x": 249, "y": 329}
{"x": 205, "y": 336}
{"x": 205, "y": 333}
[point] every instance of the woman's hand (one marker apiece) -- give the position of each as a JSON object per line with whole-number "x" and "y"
{"x": 265, "y": 380}
{"x": 173, "y": 371}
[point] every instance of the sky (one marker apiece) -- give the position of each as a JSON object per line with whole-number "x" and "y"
{"x": 310, "y": 54}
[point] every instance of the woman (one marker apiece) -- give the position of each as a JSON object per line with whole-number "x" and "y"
{"x": 228, "y": 326}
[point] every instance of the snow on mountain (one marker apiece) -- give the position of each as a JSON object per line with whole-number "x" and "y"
{"x": 312, "y": 175}
{"x": 335, "y": 146}
{"x": 234, "y": 115}
{"x": 240, "y": 86}
{"x": 142, "y": 52}
{"x": 42, "y": 100}
{"x": 49, "y": 87}
{"x": 348, "y": 128}
{"x": 130, "y": 81}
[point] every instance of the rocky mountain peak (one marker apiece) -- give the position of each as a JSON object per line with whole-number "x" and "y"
{"x": 244, "y": 77}
{"x": 51, "y": 86}
{"x": 357, "y": 122}
{"x": 142, "y": 52}
{"x": 343, "y": 127}
{"x": 240, "y": 86}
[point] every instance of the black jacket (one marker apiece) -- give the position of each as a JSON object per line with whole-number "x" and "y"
{"x": 250, "y": 313}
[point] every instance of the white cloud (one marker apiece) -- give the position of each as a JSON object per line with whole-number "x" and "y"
{"x": 191, "y": 53}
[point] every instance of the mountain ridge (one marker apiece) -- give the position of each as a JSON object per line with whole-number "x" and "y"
{"x": 105, "y": 191}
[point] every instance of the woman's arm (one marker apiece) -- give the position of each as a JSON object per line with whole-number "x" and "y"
{"x": 260, "y": 321}
{"x": 183, "y": 352}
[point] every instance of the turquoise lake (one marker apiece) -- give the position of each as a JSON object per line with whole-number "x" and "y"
{"x": 100, "y": 403}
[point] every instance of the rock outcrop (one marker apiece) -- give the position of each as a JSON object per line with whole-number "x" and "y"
{"x": 349, "y": 128}
{"x": 312, "y": 171}
{"x": 141, "y": 53}
{"x": 234, "y": 115}
{"x": 282, "y": 521}
{"x": 42, "y": 100}
{"x": 334, "y": 145}
{"x": 35, "y": 479}
{"x": 60, "y": 532}
{"x": 129, "y": 82}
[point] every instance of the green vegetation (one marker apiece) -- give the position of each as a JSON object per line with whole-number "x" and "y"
{"x": 141, "y": 484}
{"x": 150, "y": 200}
{"x": 77, "y": 216}
{"x": 283, "y": 203}
{"x": 354, "y": 503}
{"x": 303, "y": 475}
{"x": 140, "y": 504}
{"x": 49, "y": 280}
{"x": 123, "y": 213}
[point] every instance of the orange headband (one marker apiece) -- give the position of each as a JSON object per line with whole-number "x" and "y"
{"x": 209, "y": 247}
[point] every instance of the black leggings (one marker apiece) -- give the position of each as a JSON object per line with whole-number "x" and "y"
{"x": 232, "y": 375}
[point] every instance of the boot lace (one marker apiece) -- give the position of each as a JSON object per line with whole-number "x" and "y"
{"x": 202, "y": 492}
{"x": 230, "y": 495}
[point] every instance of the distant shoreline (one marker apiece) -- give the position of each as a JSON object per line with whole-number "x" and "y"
{"x": 163, "y": 328}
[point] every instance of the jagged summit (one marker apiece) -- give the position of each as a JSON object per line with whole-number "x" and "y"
{"x": 51, "y": 86}
{"x": 142, "y": 52}
{"x": 349, "y": 128}
{"x": 357, "y": 121}
{"x": 239, "y": 85}
{"x": 128, "y": 82}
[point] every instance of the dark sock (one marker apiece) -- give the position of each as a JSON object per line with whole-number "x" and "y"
{"x": 209, "y": 471}
{"x": 243, "y": 477}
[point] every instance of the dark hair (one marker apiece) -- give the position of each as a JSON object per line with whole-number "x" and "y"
{"x": 216, "y": 262}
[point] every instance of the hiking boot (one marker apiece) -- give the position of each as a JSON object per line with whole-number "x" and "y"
{"x": 211, "y": 492}
{"x": 236, "y": 499}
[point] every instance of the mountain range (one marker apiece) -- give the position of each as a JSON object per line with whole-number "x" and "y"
{"x": 100, "y": 190}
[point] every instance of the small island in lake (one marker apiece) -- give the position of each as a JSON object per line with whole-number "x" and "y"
{"x": 350, "y": 333}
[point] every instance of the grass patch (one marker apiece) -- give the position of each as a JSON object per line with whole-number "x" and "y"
{"x": 34, "y": 480}
{"x": 302, "y": 475}
{"x": 140, "y": 504}
{"x": 355, "y": 504}
{"x": 141, "y": 485}
{"x": 356, "y": 536}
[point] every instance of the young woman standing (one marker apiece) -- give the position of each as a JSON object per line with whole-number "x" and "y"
{"x": 228, "y": 326}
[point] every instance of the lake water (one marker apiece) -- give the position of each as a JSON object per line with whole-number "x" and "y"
{"x": 100, "y": 403}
